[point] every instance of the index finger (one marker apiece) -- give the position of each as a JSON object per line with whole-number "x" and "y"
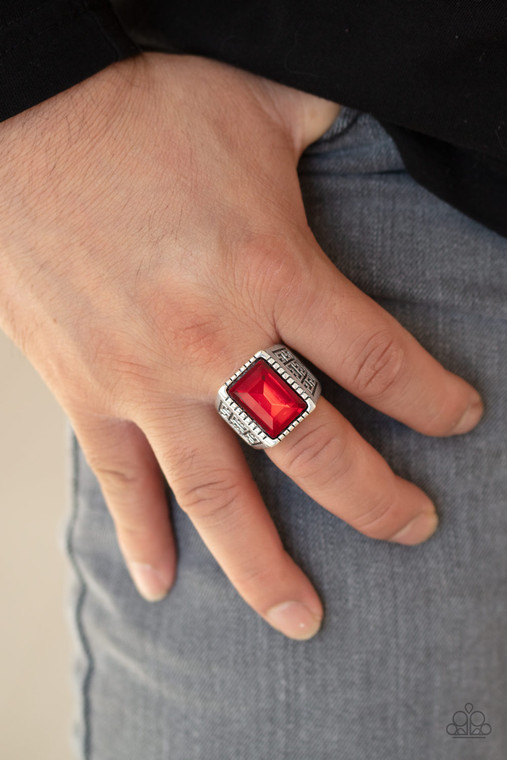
{"x": 349, "y": 336}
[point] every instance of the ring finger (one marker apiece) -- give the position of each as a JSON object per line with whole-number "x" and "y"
{"x": 335, "y": 466}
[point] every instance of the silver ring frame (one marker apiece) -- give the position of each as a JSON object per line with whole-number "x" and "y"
{"x": 295, "y": 374}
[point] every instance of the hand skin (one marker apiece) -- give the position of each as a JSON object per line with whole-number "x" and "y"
{"x": 152, "y": 224}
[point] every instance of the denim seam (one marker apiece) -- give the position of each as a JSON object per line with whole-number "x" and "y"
{"x": 79, "y": 605}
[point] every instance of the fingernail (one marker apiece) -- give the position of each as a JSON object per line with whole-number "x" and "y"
{"x": 470, "y": 417}
{"x": 294, "y": 620}
{"x": 417, "y": 530}
{"x": 149, "y": 582}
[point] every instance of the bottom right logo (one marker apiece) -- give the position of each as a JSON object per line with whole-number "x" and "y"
{"x": 468, "y": 724}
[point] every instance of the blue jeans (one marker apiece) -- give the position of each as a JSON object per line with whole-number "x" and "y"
{"x": 411, "y": 634}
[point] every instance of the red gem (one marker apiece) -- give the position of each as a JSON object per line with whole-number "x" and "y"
{"x": 267, "y": 398}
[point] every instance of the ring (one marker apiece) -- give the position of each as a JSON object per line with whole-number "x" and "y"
{"x": 268, "y": 396}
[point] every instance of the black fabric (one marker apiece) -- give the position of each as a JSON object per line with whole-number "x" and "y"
{"x": 48, "y": 46}
{"x": 433, "y": 72}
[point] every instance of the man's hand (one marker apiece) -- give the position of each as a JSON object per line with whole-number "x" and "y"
{"x": 153, "y": 237}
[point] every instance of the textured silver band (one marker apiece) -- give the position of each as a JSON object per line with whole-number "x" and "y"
{"x": 293, "y": 372}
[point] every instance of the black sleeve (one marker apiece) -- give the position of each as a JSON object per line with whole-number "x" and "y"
{"x": 47, "y": 46}
{"x": 432, "y": 72}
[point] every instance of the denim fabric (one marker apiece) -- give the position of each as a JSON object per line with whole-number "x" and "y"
{"x": 411, "y": 634}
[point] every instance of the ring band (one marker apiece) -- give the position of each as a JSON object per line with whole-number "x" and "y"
{"x": 268, "y": 396}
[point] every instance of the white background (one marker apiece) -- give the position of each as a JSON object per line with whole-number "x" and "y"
{"x": 36, "y": 699}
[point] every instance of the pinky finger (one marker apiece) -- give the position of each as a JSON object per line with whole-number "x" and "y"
{"x": 133, "y": 488}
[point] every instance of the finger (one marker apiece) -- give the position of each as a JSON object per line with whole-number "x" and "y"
{"x": 332, "y": 463}
{"x": 365, "y": 349}
{"x": 133, "y": 488}
{"x": 205, "y": 467}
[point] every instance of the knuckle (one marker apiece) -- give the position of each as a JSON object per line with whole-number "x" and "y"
{"x": 212, "y": 498}
{"x": 320, "y": 455}
{"x": 378, "y": 519}
{"x": 253, "y": 573}
{"x": 116, "y": 479}
{"x": 122, "y": 365}
{"x": 260, "y": 569}
{"x": 132, "y": 533}
{"x": 124, "y": 490}
{"x": 194, "y": 325}
{"x": 379, "y": 364}
{"x": 268, "y": 275}
{"x": 201, "y": 337}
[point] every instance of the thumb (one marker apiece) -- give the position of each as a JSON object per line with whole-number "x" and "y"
{"x": 305, "y": 116}
{"x": 133, "y": 488}
{"x": 317, "y": 116}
